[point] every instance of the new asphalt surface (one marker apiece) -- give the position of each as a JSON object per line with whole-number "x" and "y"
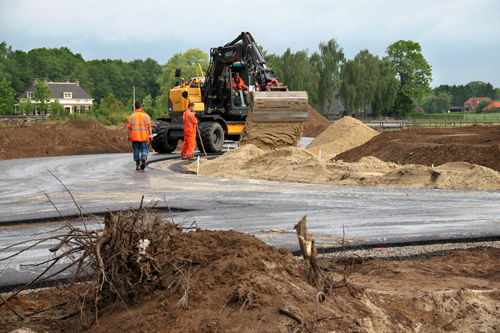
{"x": 32, "y": 189}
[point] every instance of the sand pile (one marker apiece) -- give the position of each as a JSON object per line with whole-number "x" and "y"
{"x": 299, "y": 165}
{"x": 342, "y": 135}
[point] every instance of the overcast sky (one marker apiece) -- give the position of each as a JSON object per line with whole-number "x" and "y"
{"x": 460, "y": 39}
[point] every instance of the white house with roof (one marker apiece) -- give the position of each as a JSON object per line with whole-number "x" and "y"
{"x": 70, "y": 95}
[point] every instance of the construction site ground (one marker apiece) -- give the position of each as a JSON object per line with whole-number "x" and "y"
{"x": 240, "y": 284}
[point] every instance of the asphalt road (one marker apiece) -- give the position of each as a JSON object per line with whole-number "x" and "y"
{"x": 268, "y": 210}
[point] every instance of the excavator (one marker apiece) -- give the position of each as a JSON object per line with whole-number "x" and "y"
{"x": 221, "y": 110}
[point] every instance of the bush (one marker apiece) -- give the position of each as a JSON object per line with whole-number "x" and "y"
{"x": 445, "y": 116}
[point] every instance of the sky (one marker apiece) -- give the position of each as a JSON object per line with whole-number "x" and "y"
{"x": 460, "y": 39}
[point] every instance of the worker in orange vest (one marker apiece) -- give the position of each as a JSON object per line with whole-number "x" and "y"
{"x": 139, "y": 132}
{"x": 190, "y": 123}
{"x": 239, "y": 85}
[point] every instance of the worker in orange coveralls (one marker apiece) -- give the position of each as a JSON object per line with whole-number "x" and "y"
{"x": 190, "y": 123}
{"x": 139, "y": 132}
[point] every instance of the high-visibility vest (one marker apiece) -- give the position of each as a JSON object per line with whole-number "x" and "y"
{"x": 240, "y": 85}
{"x": 139, "y": 123}
{"x": 190, "y": 121}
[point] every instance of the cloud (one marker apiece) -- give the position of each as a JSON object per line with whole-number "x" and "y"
{"x": 157, "y": 29}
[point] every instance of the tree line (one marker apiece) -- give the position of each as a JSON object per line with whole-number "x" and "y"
{"x": 394, "y": 85}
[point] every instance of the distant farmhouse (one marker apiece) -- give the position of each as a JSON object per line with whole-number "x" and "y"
{"x": 492, "y": 105}
{"x": 471, "y": 103}
{"x": 70, "y": 95}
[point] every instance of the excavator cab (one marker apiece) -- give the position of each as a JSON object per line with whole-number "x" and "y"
{"x": 238, "y": 97}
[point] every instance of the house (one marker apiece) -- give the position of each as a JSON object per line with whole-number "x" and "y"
{"x": 471, "y": 103}
{"x": 70, "y": 95}
{"x": 492, "y": 105}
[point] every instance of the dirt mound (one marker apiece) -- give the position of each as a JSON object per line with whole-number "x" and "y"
{"x": 342, "y": 135}
{"x": 226, "y": 281}
{"x": 60, "y": 139}
{"x": 433, "y": 146}
{"x": 315, "y": 124}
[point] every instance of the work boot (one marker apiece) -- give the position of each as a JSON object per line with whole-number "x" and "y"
{"x": 183, "y": 158}
{"x": 138, "y": 165}
{"x": 143, "y": 162}
{"x": 192, "y": 158}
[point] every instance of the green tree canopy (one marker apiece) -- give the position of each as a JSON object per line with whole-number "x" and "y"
{"x": 7, "y": 97}
{"x": 187, "y": 63}
{"x": 481, "y": 105}
{"x": 414, "y": 74}
{"x": 442, "y": 103}
{"x": 42, "y": 97}
{"x": 331, "y": 57}
{"x": 367, "y": 80}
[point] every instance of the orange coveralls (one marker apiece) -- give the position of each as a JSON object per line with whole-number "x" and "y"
{"x": 190, "y": 122}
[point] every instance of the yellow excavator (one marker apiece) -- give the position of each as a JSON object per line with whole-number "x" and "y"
{"x": 222, "y": 110}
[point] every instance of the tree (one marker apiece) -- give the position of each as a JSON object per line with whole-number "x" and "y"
{"x": 442, "y": 103}
{"x": 414, "y": 75}
{"x": 26, "y": 106}
{"x": 386, "y": 89}
{"x": 187, "y": 63}
{"x": 367, "y": 80}
{"x": 7, "y": 97}
{"x": 42, "y": 97}
{"x": 57, "y": 111}
{"x": 480, "y": 89}
{"x": 327, "y": 63}
{"x": 481, "y": 105}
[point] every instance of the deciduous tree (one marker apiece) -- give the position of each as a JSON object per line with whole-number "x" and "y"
{"x": 414, "y": 74}
{"x": 187, "y": 63}
{"x": 7, "y": 97}
{"x": 331, "y": 57}
{"x": 42, "y": 97}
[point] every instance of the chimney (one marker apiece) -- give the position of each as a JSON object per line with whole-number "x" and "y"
{"x": 66, "y": 81}
{"x": 44, "y": 81}
{"x": 35, "y": 81}
{"x": 77, "y": 82}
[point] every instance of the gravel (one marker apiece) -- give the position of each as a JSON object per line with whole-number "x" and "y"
{"x": 413, "y": 252}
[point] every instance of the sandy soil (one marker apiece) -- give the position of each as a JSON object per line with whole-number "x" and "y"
{"x": 236, "y": 283}
{"x": 324, "y": 161}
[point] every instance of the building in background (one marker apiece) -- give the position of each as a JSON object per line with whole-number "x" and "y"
{"x": 471, "y": 103}
{"x": 70, "y": 95}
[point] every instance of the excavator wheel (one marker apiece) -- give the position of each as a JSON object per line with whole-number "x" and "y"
{"x": 161, "y": 143}
{"x": 212, "y": 136}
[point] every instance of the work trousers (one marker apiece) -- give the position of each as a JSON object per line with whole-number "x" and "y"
{"x": 140, "y": 149}
{"x": 189, "y": 144}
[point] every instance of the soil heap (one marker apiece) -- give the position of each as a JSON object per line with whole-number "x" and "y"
{"x": 433, "y": 146}
{"x": 224, "y": 281}
{"x": 315, "y": 124}
{"x": 62, "y": 139}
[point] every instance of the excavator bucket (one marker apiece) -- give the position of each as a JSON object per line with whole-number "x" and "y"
{"x": 278, "y": 106}
{"x": 275, "y": 119}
